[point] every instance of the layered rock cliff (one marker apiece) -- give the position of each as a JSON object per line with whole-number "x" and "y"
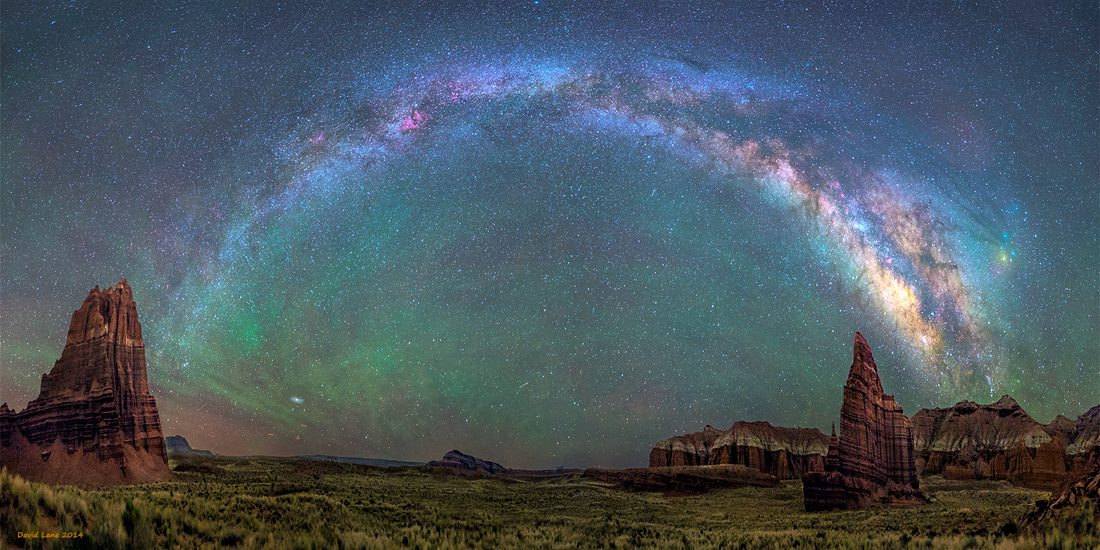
{"x": 872, "y": 460}
{"x": 94, "y": 421}
{"x": 786, "y": 453}
{"x": 1000, "y": 441}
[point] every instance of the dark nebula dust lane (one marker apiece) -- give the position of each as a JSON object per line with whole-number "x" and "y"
{"x": 549, "y": 234}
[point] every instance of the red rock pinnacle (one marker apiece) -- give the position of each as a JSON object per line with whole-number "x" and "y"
{"x": 94, "y": 421}
{"x": 864, "y": 371}
{"x": 872, "y": 461}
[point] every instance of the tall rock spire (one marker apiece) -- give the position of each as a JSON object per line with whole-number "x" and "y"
{"x": 94, "y": 421}
{"x": 872, "y": 460}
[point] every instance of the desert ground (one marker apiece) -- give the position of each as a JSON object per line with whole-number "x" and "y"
{"x": 292, "y": 503}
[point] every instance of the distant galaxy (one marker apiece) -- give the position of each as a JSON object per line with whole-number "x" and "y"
{"x": 376, "y": 232}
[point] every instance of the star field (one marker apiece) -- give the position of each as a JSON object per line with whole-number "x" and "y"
{"x": 553, "y": 234}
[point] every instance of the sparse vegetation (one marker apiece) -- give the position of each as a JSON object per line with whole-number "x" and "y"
{"x": 259, "y": 502}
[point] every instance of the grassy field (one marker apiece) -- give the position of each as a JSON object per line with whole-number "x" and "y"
{"x": 265, "y": 502}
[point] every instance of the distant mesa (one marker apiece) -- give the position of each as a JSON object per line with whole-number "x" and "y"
{"x": 376, "y": 462}
{"x": 457, "y": 460}
{"x": 785, "y": 453}
{"x": 177, "y": 445}
{"x": 1001, "y": 441}
{"x": 872, "y": 460}
{"x": 676, "y": 480}
{"x": 670, "y": 480}
{"x": 94, "y": 421}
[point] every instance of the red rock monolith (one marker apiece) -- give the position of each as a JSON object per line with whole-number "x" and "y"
{"x": 872, "y": 460}
{"x": 94, "y": 421}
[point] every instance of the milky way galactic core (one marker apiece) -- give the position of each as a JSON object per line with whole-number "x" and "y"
{"x": 383, "y": 232}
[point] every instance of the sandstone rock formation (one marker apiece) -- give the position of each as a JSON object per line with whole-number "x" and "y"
{"x": 94, "y": 421}
{"x": 786, "y": 453}
{"x": 872, "y": 461}
{"x": 683, "y": 479}
{"x": 995, "y": 441}
{"x": 1001, "y": 441}
{"x": 457, "y": 460}
{"x": 1081, "y": 485}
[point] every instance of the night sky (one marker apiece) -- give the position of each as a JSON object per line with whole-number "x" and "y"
{"x": 551, "y": 234}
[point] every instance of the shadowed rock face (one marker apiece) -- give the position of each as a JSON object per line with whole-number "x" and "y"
{"x": 872, "y": 460}
{"x": 995, "y": 441}
{"x": 786, "y": 453}
{"x": 94, "y": 421}
{"x": 1086, "y": 435}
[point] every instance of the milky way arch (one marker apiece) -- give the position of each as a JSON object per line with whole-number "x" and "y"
{"x": 910, "y": 252}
